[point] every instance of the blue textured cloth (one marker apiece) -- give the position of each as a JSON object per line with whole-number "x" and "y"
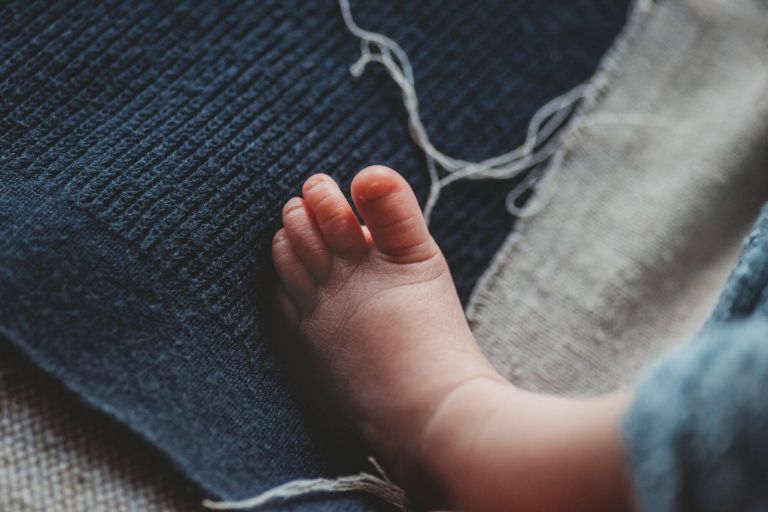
{"x": 697, "y": 431}
{"x": 146, "y": 149}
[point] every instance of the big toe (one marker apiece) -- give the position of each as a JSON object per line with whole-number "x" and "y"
{"x": 391, "y": 212}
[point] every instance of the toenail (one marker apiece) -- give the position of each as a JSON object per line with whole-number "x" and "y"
{"x": 280, "y": 237}
{"x": 375, "y": 190}
{"x": 292, "y": 206}
{"x": 314, "y": 181}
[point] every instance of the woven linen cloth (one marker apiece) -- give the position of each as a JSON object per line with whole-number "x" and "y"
{"x": 146, "y": 149}
{"x": 57, "y": 455}
{"x": 645, "y": 207}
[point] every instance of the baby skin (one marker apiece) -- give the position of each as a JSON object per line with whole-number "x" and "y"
{"x": 378, "y": 310}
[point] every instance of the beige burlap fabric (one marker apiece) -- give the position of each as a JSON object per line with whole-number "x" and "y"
{"x": 648, "y": 201}
{"x": 56, "y": 455}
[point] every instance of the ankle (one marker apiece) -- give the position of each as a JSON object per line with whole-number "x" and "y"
{"x": 432, "y": 465}
{"x": 491, "y": 446}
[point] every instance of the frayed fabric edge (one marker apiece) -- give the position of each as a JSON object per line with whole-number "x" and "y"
{"x": 545, "y": 188}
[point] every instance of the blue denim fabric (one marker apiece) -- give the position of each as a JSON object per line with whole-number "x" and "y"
{"x": 146, "y": 150}
{"x": 697, "y": 432}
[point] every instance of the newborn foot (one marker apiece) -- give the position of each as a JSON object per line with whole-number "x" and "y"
{"x": 378, "y": 308}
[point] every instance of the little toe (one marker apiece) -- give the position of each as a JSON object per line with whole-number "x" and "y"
{"x": 334, "y": 215}
{"x": 298, "y": 283}
{"x": 306, "y": 239}
{"x": 391, "y": 213}
{"x": 286, "y": 306}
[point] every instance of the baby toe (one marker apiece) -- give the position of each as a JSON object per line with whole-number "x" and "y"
{"x": 306, "y": 239}
{"x": 335, "y": 218}
{"x": 286, "y": 306}
{"x": 295, "y": 279}
{"x": 391, "y": 213}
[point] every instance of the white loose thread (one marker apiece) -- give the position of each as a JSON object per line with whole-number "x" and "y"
{"x": 539, "y": 144}
{"x": 380, "y": 486}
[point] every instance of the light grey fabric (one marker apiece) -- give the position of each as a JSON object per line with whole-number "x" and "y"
{"x": 56, "y": 455}
{"x": 658, "y": 181}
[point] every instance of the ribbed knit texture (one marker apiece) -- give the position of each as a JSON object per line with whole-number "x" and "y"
{"x": 145, "y": 153}
{"x": 186, "y": 129}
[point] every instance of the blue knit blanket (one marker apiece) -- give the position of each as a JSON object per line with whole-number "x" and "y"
{"x": 146, "y": 150}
